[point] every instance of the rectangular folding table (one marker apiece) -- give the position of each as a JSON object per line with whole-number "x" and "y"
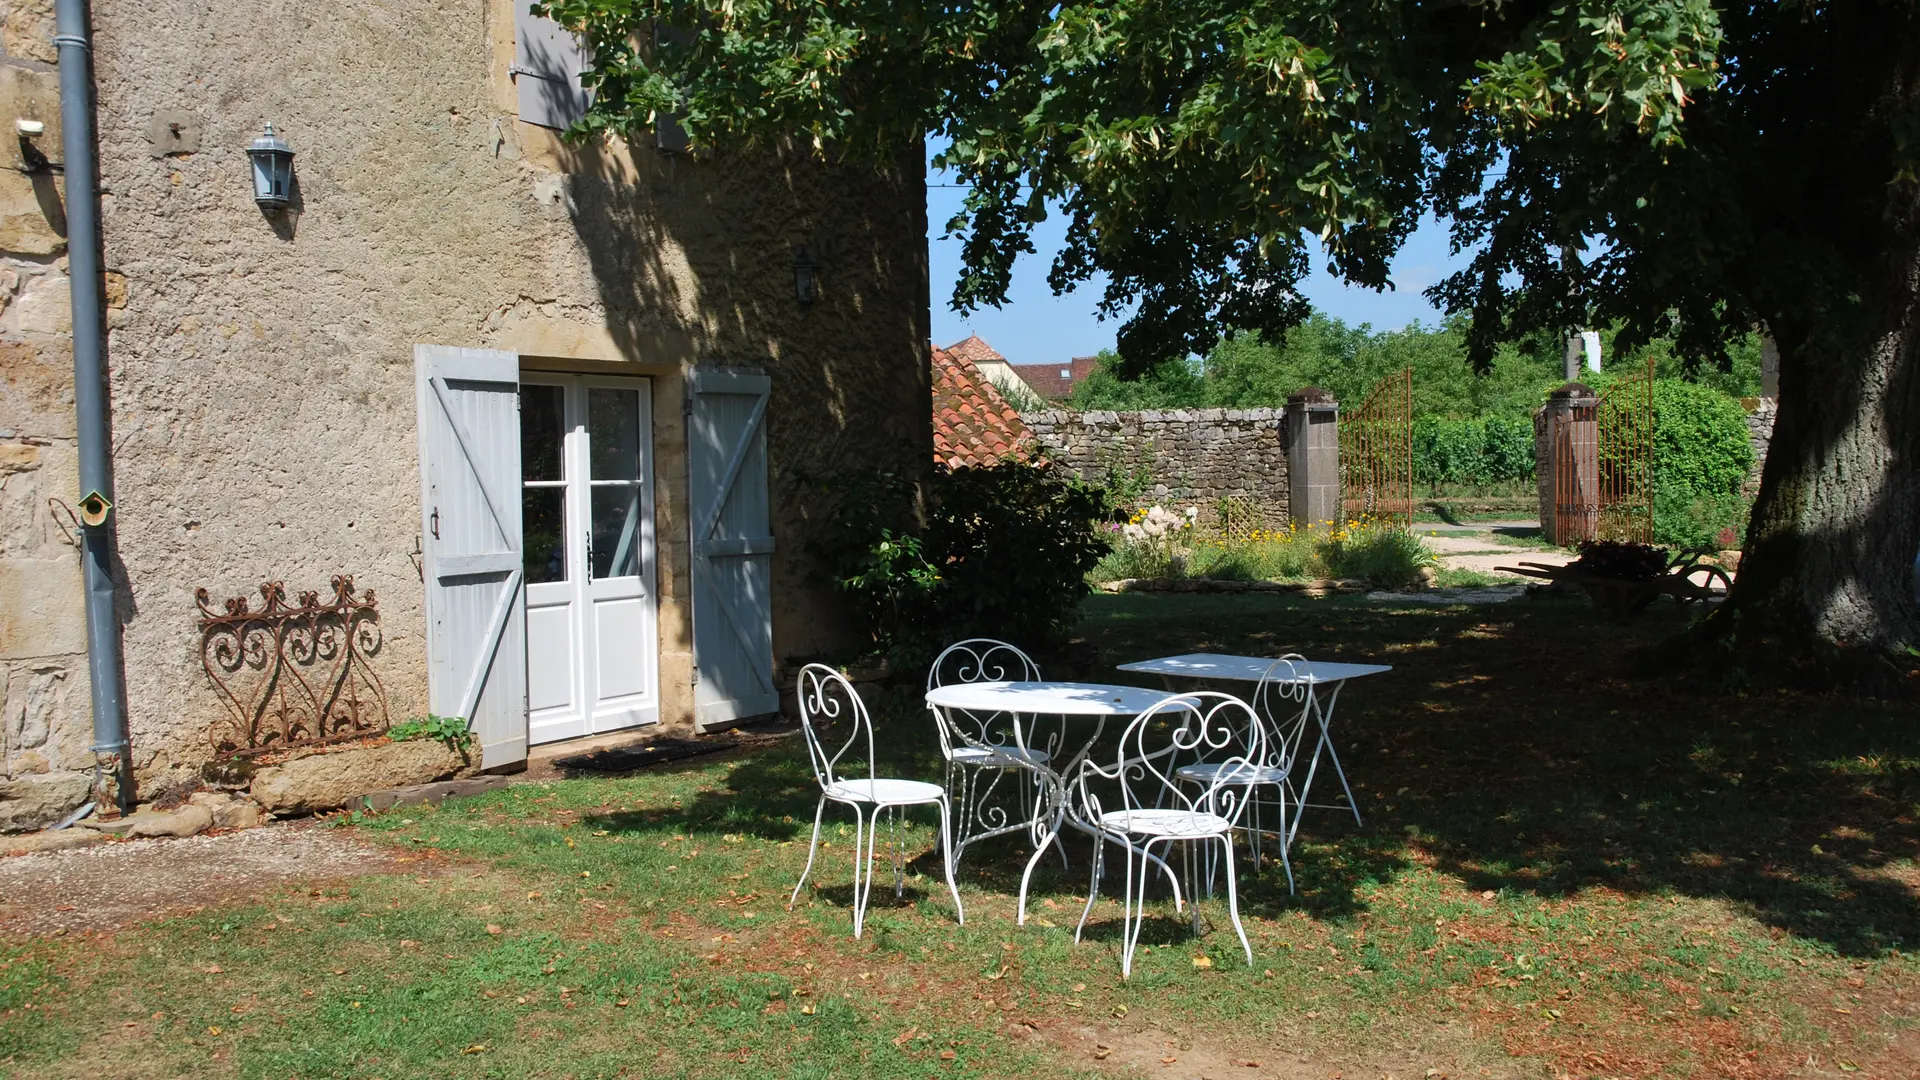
{"x": 1318, "y": 682}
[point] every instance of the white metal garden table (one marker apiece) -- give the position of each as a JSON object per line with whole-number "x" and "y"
{"x": 1321, "y": 682}
{"x": 1026, "y": 703}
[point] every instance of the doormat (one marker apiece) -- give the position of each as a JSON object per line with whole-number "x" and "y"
{"x": 641, "y": 755}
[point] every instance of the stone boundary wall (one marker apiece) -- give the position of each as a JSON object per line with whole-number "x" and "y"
{"x": 1195, "y": 457}
{"x": 1760, "y": 433}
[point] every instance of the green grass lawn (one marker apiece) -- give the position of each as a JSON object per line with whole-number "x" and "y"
{"x": 1564, "y": 871}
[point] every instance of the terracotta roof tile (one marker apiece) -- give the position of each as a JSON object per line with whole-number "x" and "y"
{"x": 972, "y": 423}
{"x": 975, "y": 351}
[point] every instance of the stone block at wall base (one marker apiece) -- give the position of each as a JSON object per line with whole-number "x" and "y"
{"x": 433, "y": 793}
{"x": 64, "y": 840}
{"x": 37, "y": 800}
{"x": 337, "y": 777}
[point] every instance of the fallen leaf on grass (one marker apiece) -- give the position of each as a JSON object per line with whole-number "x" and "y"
{"x": 213, "y": 969}
{"x": 1120, "y": 1012}
{"x": 807, "y": 1009}
{"x": 1203, "y": 961}
{"x": 1168, "y": 1060}
{"x": 902, "y": 1038}
{"x": 621, "y": 1004}
{"x": 476, "y": 1048}
{"x": 948, "y": 1055}
{"x": 1845, "y": 1065}
{"x": 1100, "y": 1052}
{"x": 494, "y": 929}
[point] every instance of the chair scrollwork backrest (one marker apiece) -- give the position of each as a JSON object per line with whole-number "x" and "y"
{"x": 1216, "y": 727}
{"x": 971, "y": 661}
{"x": 828, "y": 699}
{"x": 1280, "y": 700}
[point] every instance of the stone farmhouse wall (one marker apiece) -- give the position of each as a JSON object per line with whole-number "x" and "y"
{"x": 1193, "y": 457}
{"x": 261, "y": 368}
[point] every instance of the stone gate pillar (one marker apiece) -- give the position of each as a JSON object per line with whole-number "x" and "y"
{"x": 1566, "y": 449}
{"x": 1313, "y": 456}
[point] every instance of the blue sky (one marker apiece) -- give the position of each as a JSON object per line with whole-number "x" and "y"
{"x": 1038, "y": 327}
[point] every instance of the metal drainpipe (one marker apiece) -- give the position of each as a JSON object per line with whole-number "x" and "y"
{"x": 104, "y": 664}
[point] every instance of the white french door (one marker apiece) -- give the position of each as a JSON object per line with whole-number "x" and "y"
{"x": 586, "y": 454}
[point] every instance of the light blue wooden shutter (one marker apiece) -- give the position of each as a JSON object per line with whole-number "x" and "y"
{"x": 732, "y": 545}
{"x": 547, "y": 62}
{"x": 468, "y": 401}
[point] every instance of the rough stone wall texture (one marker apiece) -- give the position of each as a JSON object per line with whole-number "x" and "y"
{"x": 45, "y": 722}
{"x": 262, "y": 369}
{"x": 1192, "y": 457}
{"x": 1760, "y": 434}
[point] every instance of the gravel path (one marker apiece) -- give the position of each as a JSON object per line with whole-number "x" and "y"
{"x": 116, "y": 884}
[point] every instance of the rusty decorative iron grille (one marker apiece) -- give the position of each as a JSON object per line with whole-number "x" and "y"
{"x": 1624, "y": 459}
{"x": 1376, "y": 452}
{"x": 294, "y": 673}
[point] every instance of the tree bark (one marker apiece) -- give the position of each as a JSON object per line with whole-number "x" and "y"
{"x": 1825, "y": 593}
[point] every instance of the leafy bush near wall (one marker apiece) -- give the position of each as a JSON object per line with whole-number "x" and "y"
{"x": 1000, "y": 551}
{"x": 1489, "y": 450}
{"x": 1701, "y": 456}
{"x": 1383, "y": 553}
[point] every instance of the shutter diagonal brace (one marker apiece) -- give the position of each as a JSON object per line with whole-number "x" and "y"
{"x": 466, "y": 447}
{"x": 731, "y": 616}
{"x": 732, "y": 471}
{"x": 704, "y": 557}
{"x": 490, "y": 649}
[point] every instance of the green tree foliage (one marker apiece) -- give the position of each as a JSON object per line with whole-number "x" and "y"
{"x": 1490, "y": 450}
{"x": 1247, "y": 370}
{"x": 1701, "y": 457}
{"x": 1686, "y": 168}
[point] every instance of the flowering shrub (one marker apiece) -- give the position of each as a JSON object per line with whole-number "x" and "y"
{"x": 1382, "y": 553}
{"x": 1154, "y": 542}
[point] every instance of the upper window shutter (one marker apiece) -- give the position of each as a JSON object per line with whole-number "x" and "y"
{"x": 547, "y": 62}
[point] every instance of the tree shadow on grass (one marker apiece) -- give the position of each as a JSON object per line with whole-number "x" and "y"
{"x": 1509, "y": 747}
{"x": 1506, "y": 748}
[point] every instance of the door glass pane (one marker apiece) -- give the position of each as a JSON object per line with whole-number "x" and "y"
{"x": 613, "y": 430}
{"x": 616, "y": 530}
{"x": 542, "y": 427}
{"x": 543, "y": 526}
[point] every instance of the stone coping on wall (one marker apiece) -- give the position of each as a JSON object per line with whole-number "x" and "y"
{"x": 1052, "y": 418}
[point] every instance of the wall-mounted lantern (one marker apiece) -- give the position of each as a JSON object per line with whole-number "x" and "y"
{"x": 272, "y": 171}
{"x": 805, "y": 277}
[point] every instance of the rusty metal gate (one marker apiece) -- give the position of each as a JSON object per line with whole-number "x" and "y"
{"x": 1624, "y": 422}
{"x": 1376, "y": 452}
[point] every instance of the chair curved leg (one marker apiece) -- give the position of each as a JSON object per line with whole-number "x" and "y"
{"x": 1286, "y": 863}
{"x": 812, "y": 847}
{"x": 1134, "y": 912}
{"x": 862, "y": 855}
{"x": 1233, "y": 899}
{"x": 1093, "y": 887}
{"x": 946, "y": 848}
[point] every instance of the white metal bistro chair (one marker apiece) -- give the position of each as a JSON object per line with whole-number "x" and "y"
{"x": 1278, "y": 702}
{"x": 826, "y": 697}
{"x": 1154, "y": 809}
{"x": 983, "y": 751}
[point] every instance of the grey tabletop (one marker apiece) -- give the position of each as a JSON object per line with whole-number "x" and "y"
{"x": 1047, "y": 698}
{"x": 1251, "y": 668}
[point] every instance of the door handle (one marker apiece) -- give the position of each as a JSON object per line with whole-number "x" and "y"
{"x": 589, "y": 566}
{"x": 434, "y": 520}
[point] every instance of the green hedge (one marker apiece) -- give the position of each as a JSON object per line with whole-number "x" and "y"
{"x": 1701, "y": 457}
{"x": 1490, "y": 450}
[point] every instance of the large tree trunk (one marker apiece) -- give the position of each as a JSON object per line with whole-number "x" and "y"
{"x": 1826, "y": 593}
